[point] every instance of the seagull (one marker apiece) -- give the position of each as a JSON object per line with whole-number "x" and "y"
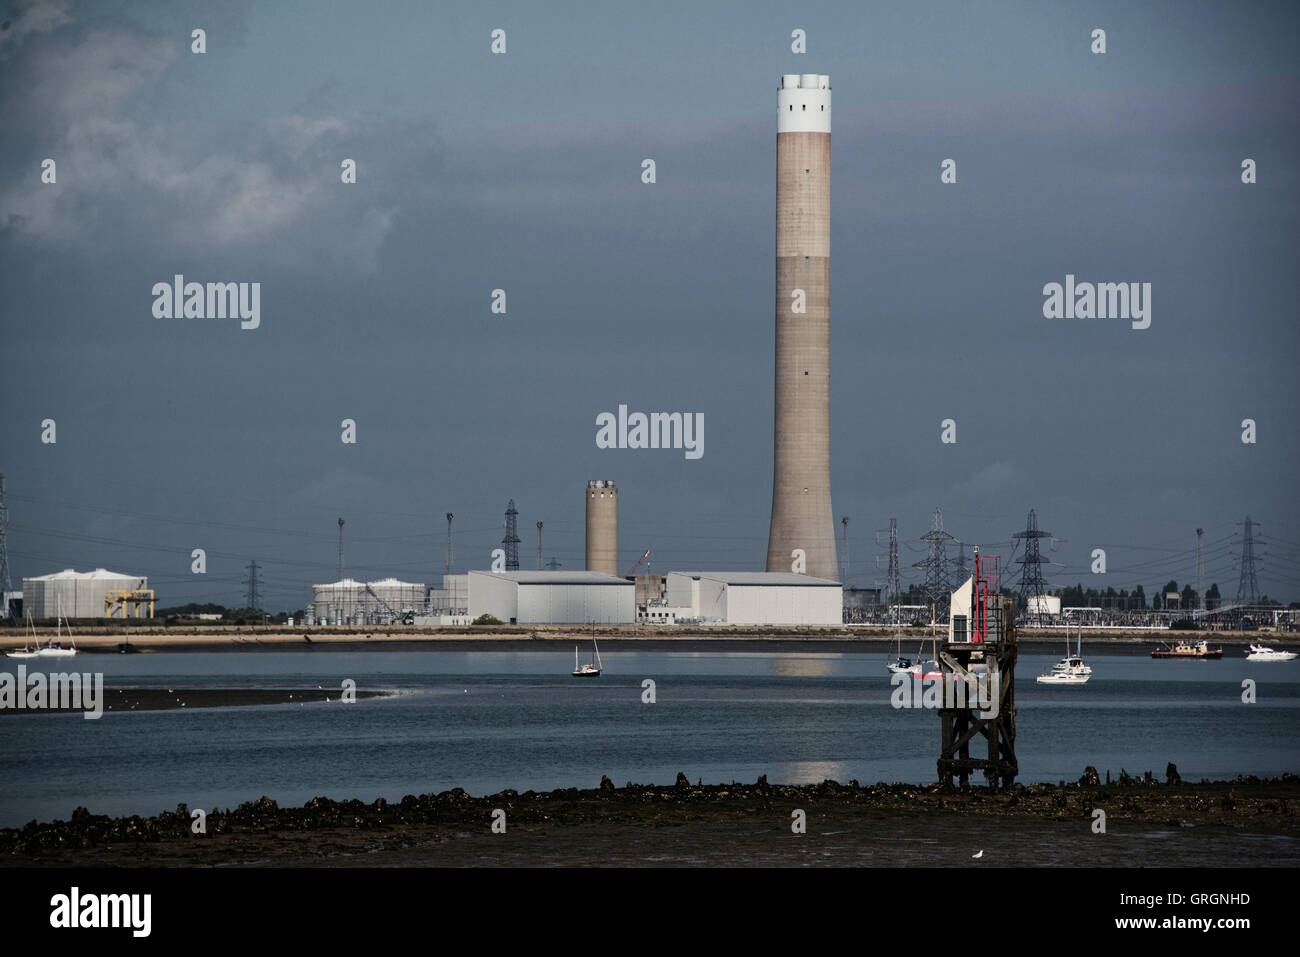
{"x": 978, "y": 855}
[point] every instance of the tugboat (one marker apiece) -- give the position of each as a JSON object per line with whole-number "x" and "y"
{"x": 1188, "y": 649}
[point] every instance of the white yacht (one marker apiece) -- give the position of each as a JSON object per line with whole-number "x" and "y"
{"x": 1263, "y": 653}
{"x": 1070, "y": 670}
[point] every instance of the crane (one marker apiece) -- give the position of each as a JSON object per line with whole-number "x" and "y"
{"x": 406, "y": 618}
{"x": 637, "y": 566}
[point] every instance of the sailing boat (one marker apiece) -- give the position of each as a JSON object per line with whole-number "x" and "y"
{"x": 900, "y": 665}
{"x": 29, "y": 649}
{"x": 592, "y": 668}
{"x": 922, "y": 669}
{"x": 1070, "y": 670}
{"x": 52, "y": 648}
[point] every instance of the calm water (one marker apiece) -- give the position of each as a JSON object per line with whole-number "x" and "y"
{"x": 489, "y": 720}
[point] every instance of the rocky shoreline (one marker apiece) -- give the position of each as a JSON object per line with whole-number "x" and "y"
{"x": 681, "y": 823}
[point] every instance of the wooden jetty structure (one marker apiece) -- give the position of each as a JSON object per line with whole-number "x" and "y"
{"x": 982, "y": 628}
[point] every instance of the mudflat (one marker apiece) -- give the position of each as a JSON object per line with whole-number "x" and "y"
{"x": 1147, "y": 823}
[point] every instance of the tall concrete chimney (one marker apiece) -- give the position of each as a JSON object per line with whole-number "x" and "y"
{"x": 602, "y": 527}
{"x": 801, "y": 475}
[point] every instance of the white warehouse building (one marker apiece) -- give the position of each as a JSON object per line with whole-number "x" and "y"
{"x": 756, "y": 598}
{"x": 75, "y": 594}
{"x": 552, "y": 597}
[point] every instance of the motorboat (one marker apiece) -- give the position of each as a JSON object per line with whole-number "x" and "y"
{"x": 1070, "y": 670}
{"x": 1264, "y": 653}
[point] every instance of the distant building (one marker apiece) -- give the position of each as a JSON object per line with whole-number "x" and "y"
{"x": 552, "y": 597}
{"x": 1043, "y": 605}
{"x": 860, "y": 605}
{"x": 350, "y": 602}
{"x": 757, "y": 598}
{"x": 76, "y": 594}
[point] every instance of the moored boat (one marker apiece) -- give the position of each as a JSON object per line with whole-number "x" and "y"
{"x": 1264, "y": 653}
{"x": 1070, "y": 670}
{"x": 1188, "y": 649}
{"x": 592, "y": 668}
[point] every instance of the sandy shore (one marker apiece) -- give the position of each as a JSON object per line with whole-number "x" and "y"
{"x": 1247, "y": 821}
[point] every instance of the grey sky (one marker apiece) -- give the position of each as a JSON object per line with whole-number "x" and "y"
{"x": 522, "y": 172}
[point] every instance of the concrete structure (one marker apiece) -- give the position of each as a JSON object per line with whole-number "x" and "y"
{"x": 452, "y": 599}
{"x": 602, "y": 527}
{"x": 75, "y": 594}
{"x": 13, "y": 601}
{"x": 350, "y": 602}
{"x": 552, "y": 598}
{"x": 756, "y": 598}
{"x": 650, "y": 589}
{"x": 801, "y": 472}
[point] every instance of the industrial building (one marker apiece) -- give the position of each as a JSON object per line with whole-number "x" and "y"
{"x": 73, "y": 594}
{"x": 754, "y": 598}
{"x": 552, "y": 597}
{"x": 452, "y": 598}
{"x": 350, "y": 602}
{"x": 860, "y": 604}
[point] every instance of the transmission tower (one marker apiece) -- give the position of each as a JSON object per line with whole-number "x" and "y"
{"x": 844, "y": 572}
{"x": 4, "y": 552}
{"x": 539, "y": 546}
{"x": 1200, "y": 572}
{"x": 938, "y": 582}
{"x": 552, "y": 564}
{"x": 252, "y": 581}
{"x": 1247, "y": 587}
{"x": 511, "y": 541}
{"x": 447, "y": 566}
{"x": 961, "y": 563}
{"x": 892, "y": 586}
{"x": 338, "y": 568}
{"x": 1031, "y": 574}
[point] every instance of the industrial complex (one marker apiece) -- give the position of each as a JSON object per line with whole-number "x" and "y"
{"x": 803, "y": 584}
